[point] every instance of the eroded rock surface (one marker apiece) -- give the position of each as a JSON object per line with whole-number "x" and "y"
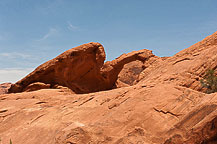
{"x": 136, "y": 114}
{"x": 187, "y": 67}
{"x": 4, "y": 87}
{"x": 81, "y": 69}
{"x": 166, "y": 106}
{"x": 130, "y": 73}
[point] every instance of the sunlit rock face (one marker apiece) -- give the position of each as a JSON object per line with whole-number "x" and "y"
{"x": 160, "y": 100}
{"x": 81, "y": 69}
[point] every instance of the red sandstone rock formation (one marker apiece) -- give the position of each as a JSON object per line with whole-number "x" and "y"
{"x": 166, "y": 106}
{"x": 187, "y": 67}
{"x": 81, "y": 69}
{"x": 4, "y": 87}
{"x": 130, "y": 73}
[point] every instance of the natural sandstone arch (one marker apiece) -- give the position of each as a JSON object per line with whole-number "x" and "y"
{"x": 81, "y": 69}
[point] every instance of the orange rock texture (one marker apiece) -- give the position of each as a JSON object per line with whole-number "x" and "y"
{"x": 4, "y": 87}
{"x": 81, "y": 69}
{"x": 158, "y": 101}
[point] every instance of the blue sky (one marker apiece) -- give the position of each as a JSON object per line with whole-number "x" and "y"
{"x": 34, "y": 31}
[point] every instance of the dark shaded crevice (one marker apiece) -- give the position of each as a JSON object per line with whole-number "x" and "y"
{"x": 181, "y": 60}
{"x": 2, "y": 111}
{"x": 86, "y": 101}
{"x": 167, "y": 112}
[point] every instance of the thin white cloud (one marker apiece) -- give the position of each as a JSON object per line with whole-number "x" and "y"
{"x": 51, "y": 32}
{"x": 13, "y": 74}
{"x": 72, "y": 27}
{"x": 14, "y": 55}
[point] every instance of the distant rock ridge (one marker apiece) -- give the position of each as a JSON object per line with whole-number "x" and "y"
{"x": 82, "y": 69}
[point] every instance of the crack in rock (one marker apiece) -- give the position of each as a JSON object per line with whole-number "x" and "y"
{"x": 167, "y": 112}
{"x": 86, "y": 101}
{"x": 181, "y": 60}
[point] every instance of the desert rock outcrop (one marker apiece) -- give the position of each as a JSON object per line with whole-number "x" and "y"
{"x": 81, "y": 69}
{"x": 187, "y": 67}
{"x": 165, "y": 106}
